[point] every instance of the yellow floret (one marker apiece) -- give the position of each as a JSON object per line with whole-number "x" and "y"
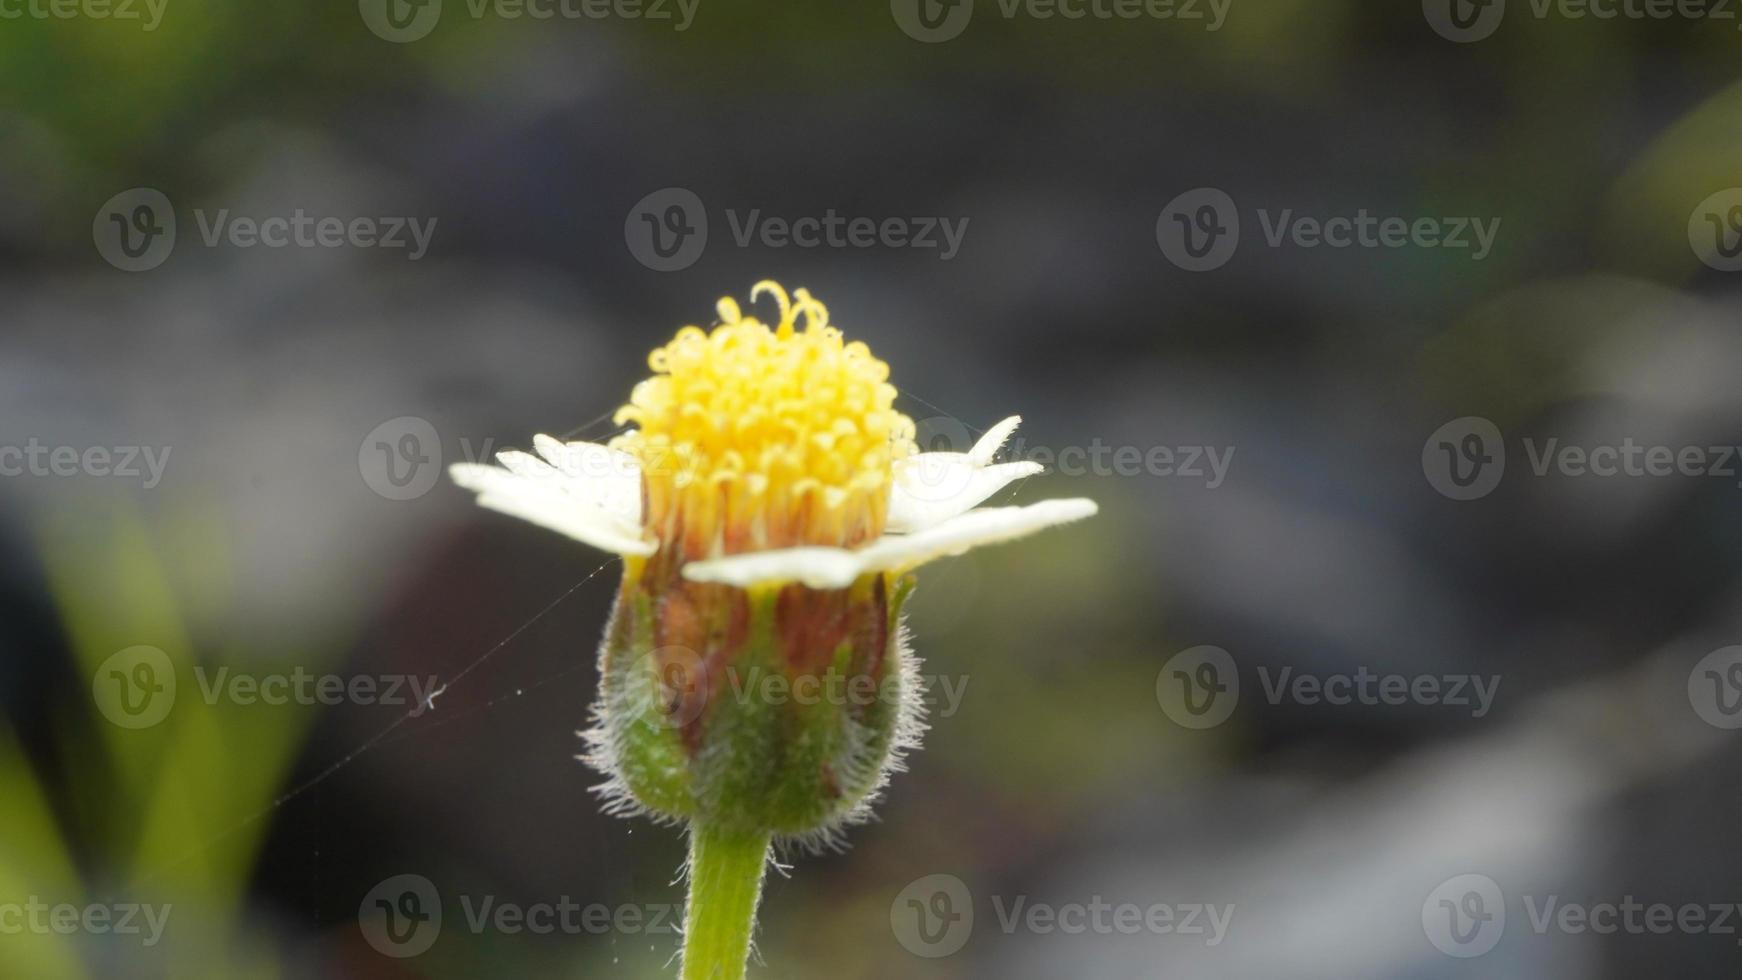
{"x": 753, "y": 437}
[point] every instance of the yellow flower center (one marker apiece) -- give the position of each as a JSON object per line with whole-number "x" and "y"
{"x": 752, "y": 437}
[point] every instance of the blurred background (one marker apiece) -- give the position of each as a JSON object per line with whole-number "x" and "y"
{"x": 223, "y": 425}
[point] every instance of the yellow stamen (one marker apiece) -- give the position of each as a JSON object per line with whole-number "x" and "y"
{"x": 751, "y": 437}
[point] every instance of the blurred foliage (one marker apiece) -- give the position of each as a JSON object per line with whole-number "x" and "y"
{"x": 168, "y": 815}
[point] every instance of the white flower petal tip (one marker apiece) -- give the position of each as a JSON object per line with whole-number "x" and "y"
{"x": 836, "y": 568}
{"x": 931, "y": 488}
{"x": 550, "y": 500}
{"x": 986, "y": 448}
{"x": 587, "y": 460}
{"x": 527, "y": 465}
{"x": 476, "y": 476}
{"x": 989, "y": 525}
{"x": 602, "y": 476}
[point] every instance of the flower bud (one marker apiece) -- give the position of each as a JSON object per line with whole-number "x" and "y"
{"x": 777, "y": 710}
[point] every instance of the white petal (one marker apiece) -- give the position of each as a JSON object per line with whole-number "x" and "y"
{"x": 607, "y": 477}
{"x": 587, "y": 460}
{"x": 977, "y": 527}
{"x": 817, "y": 567}
{"x": 835, "y": 568}
{"x": 930, "y": 488}
{"x": 541, "y": 500}
{"x": 986, "y": 449}
{"x": 529, "y": 466}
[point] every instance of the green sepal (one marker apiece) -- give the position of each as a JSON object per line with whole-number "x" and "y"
{"x": 732, "y": 737}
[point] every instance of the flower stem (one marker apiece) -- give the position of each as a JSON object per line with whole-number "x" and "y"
{"x": 725, "y": 885}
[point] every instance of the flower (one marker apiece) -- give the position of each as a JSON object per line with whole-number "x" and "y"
{"x": 766, "y": 455}
{"x": 755, "y": 681}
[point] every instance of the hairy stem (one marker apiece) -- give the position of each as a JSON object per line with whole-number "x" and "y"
{"x": 725, "y": 885}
